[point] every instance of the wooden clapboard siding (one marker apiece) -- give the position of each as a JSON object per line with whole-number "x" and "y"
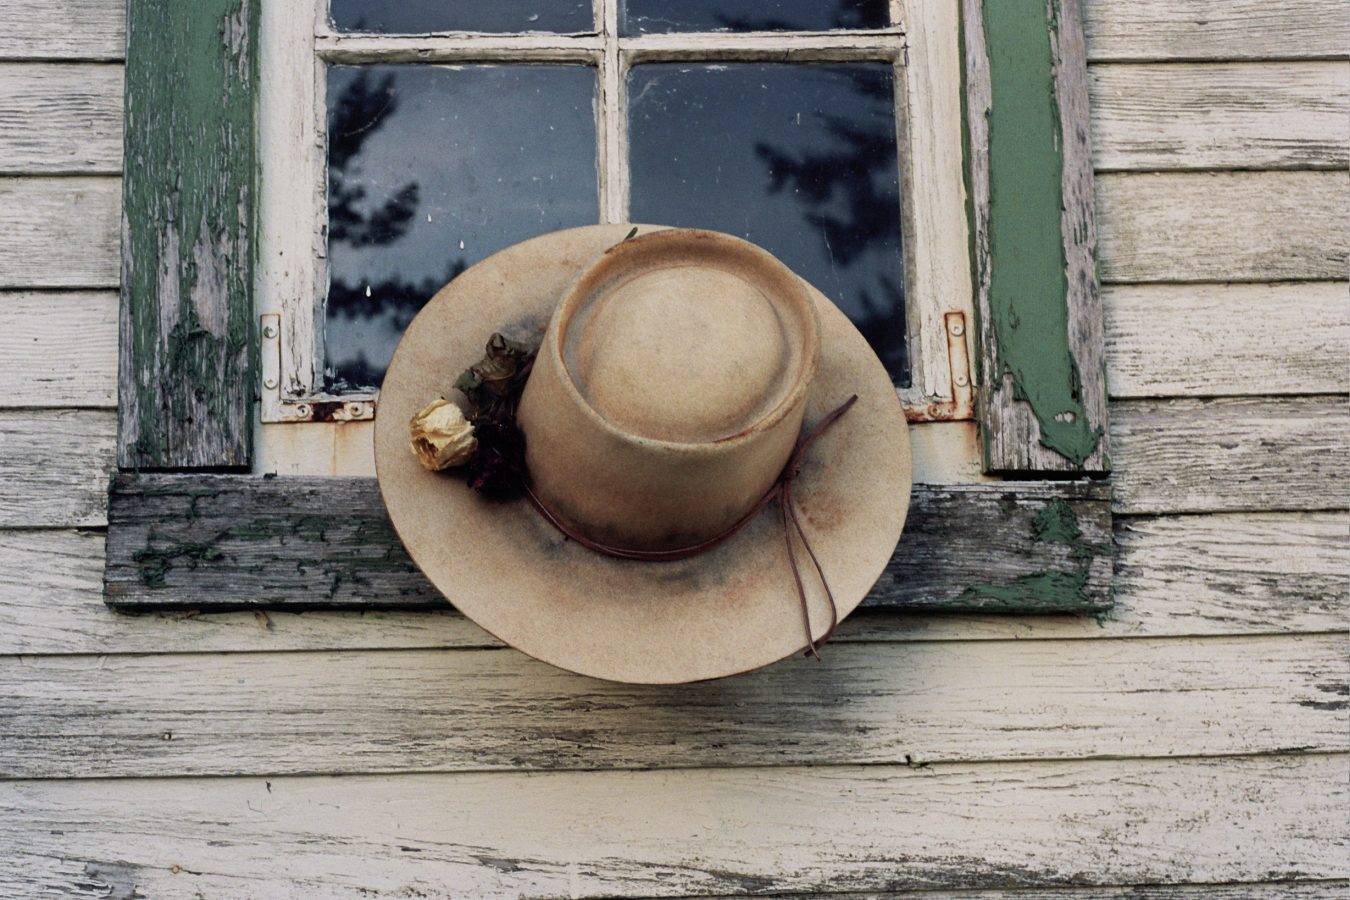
{"x": 1232, "y": 454}
{"x": 1248, "y": 573}
{"x": 1286, "y": 115}
{"x": 1178, "y": 455}
{"x": 58, "y": 349}
{"x": 666, "y": 833}
{"x": 1187, "y": 583}
{"x": 1229, "y": 226}
{"x": 1283, "y": 890}
{"x": 895, "y": 702}
{"x": 1216, "y": 340}
{"x": 63, "y": 29}
{"x": 1283, "y": 115}
{"x": 1183, "y": 226}
{"x": 60, "y": 118}
{"x": 54, "y": 467}
{"x": 1216, "y": 29}
{"x": 1181, "y": 455}
{"x": 59, "y": 232}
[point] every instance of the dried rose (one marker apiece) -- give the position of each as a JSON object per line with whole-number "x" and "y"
{"x": 441, "y": 436}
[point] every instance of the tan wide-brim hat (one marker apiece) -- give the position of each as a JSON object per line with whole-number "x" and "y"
{"x": 729, "y": 610}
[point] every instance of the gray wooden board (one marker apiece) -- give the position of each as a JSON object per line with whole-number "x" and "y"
{"x": 1234, "y": 573}
{"x": 897, "y": 702}
{"x": 766, "y": 831}
{"x": 192, "y": 541}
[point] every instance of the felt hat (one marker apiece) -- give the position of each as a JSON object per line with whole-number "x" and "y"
{"x": 677, "y": 524}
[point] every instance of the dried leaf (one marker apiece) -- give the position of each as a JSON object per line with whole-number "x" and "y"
{"x": 493, "y": 376}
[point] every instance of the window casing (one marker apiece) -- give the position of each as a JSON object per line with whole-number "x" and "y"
{"x": 921, "y": 48}
{"x": 190, "y": 529}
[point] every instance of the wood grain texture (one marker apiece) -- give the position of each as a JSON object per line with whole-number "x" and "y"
{"x": 1033, "y": 247}
{"x": 1232, "y": 454}
{"x": 1228, "y": 574}
{"x": 1268, "y": 571}
{"x": 1247, "y": 226}
{"x": 896, "y": 703}
{"x": 1177, "y": 116}
{"x": 57, "y": 119}
{"x": 54, "y": 468}
{"x": 185, "y": 385}
{"x": 645, "y": 834}
{"x": 62, "y": 29}
{"x": 58, "y": 349}
{"x": 1216, "y": 29}
{"x": 59, "y": 232}
{"x": 1283, "y": 890}
{"x": 189, "y": 541}
{"x": 1216, "y": 340}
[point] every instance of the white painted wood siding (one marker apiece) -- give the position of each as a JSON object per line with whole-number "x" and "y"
{"x": 1195, "y": 741}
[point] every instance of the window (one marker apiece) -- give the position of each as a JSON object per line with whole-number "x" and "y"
{"x": 996, "y": 244}
{"x": 404, "y": 142}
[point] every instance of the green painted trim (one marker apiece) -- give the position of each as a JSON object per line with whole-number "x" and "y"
{"x": 1051, "y": 591}
{"x": 188, "y": 252}
{"x": 1028, "y": 285}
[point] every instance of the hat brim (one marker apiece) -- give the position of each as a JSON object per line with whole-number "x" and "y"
{"x": 727, "y": 611}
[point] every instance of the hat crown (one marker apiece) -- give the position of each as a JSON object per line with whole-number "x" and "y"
{"x": 669, "y": 389}
{"x": 683, "y": 353}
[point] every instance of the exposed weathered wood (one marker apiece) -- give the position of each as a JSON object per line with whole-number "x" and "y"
{"x": 203, "y": 541}
{"x": 1216, "y": 29}
{"x": 1233, "y": 573}
{"x": 1221, "y": 116}
{"x": 58, "y": 350}
{"x": 1232, "y": 454}
{"x": 1263, "y": 573}
{"x": 62, "y": 29}
{"x": 1166, "y": 340}
{"x": 1282, "y": 890}
{"x": 644, "y": 834}
{"x": 1224, "y": 226}
{"x": 1042, "y": 406}
{"x": 60, "y": 118}
{"x": 54, "y": 467}
{"x": 59, "y": 232}
{"x": 897, "y": 703}
{"x": 185, "y": 385}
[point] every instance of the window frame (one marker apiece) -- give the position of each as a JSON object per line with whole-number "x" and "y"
{"x": 189, "y": 332}
{"x": 292, "y": 282}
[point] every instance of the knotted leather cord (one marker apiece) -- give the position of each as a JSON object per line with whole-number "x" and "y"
{"x": 781, "y": 490}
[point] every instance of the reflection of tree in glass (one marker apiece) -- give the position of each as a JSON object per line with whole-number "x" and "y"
{"x": 847, "y": 14}
{"x": 853, "y": 172}
{"x": 357, "y": 113}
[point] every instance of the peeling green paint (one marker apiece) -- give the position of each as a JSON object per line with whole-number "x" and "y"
{"x": 1049, "y": 591}
{"x": 189, "y": 196}
{"x": 1028, "y": 284}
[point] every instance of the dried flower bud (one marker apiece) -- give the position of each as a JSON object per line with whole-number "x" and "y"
{"x": 441, "y": 436}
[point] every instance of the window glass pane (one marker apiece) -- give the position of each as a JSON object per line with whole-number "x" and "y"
{"x": 658, "y": 16}
{"x": 432, "y": 168}
{"x": 800, "y": 159}
{"x": 415, "y": 16}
